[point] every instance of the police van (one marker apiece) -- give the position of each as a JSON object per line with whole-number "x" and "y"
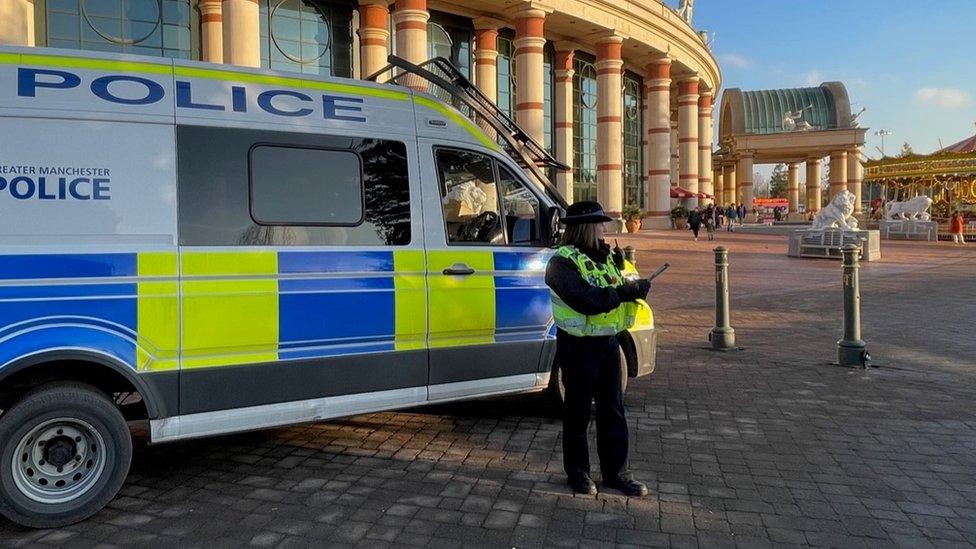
{"x": 217, "y": 249}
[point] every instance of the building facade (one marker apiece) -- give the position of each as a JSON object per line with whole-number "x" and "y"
{"x": 606, "y": 87}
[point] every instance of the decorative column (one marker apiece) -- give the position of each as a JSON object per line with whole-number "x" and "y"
{"x": 530, "y": 41}
{"x": 838, "y": 173}
{"x": 688, "y": 137}
{"x": 374, "y": 35}
{"x": 17, "y": 22}
{"x": 718, "y": 183}
{"x": 814, "y": 174}
{"x": 211, "y": 31}
{"x": 744, "y": 178}
{"x": 793, "y": 187}
{"x": 563, "y": 113}
{"x": 673, "y": 147}
{"x": 609, "y": 130}
{"x": 705, "y": 143}
{"x": 657, "y": 153}
{"x": 486, "y": 57}
{"x": 410, "y": 21}
{"x": 241, "y": 22}
{"x": 728, "y": 174}
{"x": 855, "y": 175}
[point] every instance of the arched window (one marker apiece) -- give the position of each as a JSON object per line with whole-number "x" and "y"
{"x": 632, "y": 123}
{"x": 584, "y": 128}
{"x": 439, "y": 43}
{"x": 307, "y": 36}
{"x": 145, "y": 27}
{"x": 449, "y": 36}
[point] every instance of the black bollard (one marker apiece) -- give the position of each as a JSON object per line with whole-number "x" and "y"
{"x": 722, "y": 335}
{"x": 851, "y": 350}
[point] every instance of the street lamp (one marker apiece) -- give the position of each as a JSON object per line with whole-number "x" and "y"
{"x": 882, "y": 133}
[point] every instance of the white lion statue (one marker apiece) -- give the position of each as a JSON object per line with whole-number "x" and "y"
{"x": 914, "y": 209}
{"x": 838, "y": 214}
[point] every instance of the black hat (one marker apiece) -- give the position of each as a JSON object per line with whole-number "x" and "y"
{"x": 587, "y": 211}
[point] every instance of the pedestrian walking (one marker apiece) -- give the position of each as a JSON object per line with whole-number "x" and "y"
{"x": 956, "y": 224}
{"x": 741, "y": 214}
{"x": 695, "y": 222}
{"x": 731, "y": 214}
{"x": 710, "y": 222}
{"x": 591, "y": 305}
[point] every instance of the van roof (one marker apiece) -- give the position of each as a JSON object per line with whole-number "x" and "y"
{"x": 159, "y": 69}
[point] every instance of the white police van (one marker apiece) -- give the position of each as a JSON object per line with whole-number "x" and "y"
{"x": 218, "y": 249}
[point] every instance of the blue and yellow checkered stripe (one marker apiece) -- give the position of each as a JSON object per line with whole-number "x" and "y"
{"x": 251, "y": 306}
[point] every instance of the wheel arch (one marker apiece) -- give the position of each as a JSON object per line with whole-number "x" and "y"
{"x": 96, "y": 369}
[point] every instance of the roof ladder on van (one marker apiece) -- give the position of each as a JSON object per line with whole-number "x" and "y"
{"x": 440, "y": 78}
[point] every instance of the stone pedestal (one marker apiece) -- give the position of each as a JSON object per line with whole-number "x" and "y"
{"x": 827, "y": 243}
{"x": 908, "y": 229}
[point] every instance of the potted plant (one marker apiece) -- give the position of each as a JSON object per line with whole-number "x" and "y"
{"x": 679, "y": 214}
{"x": 632, "y": 216}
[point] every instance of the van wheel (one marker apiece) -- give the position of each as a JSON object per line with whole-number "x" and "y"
{"x": 557, "y": 390}
{"x": 65, "y": 450}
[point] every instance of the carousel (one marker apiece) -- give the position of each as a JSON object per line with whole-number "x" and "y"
{"x": 947, "y": 176}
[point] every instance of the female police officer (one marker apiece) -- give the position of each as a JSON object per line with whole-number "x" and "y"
{"x": 591, "y": 304}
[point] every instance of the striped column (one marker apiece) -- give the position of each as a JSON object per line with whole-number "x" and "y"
{"x": 728, "y": 174}
{"x": 838, "y": 173}
{"x": 793, "y": 187}
{"x": 563, "y": 114}
{"x": 530, "y": 41}
{"x": 241, "y": 23}
{"x": 17, "y": 22}
{"x": 657, "y": 153}
{"x": 486, "y": 57}
{"x": 718, "y": 183}
{"x": 673, "y": 147}
{"x": 609, "y": 130}
{"x": 410, "y": 21}
{"x": 814, "y": 174}
{"x": 743, "y": 177}
{"x": 705, "y": 143}
{"x": 855, "y": 176}
{"x": 374, "y": 35}
{"x": 688, "y": 137}
{"x": 211, "y": 31}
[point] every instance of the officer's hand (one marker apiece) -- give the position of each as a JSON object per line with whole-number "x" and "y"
{"x": 633, "y": 290}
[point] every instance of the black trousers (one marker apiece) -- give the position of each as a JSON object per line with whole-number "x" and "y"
{"x": 591, "y": 370}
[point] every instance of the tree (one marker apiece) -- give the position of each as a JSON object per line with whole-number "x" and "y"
{"x": 779, "y": 181}
{"x": 906, "y": 150}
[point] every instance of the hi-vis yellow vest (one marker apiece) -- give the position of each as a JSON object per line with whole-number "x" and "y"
{"x": 601, "y": 276}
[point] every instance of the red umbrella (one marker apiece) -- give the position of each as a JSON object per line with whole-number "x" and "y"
{"x": 679, "y": 192}
{"x": 704, "y": 195}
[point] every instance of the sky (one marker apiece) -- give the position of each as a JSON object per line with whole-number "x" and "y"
{"x": 911, "y": 63}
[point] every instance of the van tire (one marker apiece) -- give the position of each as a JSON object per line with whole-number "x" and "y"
{"x": 79, "y": 420}
{"x": 557, "y": 390}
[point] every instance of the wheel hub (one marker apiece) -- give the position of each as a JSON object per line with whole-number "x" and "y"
{"x": 58, "y": 460}
{"x": 59, "y": 451}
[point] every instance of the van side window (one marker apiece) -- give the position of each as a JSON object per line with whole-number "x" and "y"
{"x": 304, "y": 186}
{"x": 469, "y": 196}
{"x": 521, "y": 208}
{"x": 267, "y": 188}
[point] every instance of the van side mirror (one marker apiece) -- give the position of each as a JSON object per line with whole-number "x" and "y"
{"x": 553, "y": 226}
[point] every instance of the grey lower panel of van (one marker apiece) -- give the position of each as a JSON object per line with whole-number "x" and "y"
{"x": 227, "y": 387}
{"x": 288, "y": 413}
{"x": 472, "y": 362}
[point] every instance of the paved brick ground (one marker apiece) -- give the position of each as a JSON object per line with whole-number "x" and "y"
{"x": 767, "y": 446}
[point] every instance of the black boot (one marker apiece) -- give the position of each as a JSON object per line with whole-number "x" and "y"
{"x": 628, "y": 486}
{"x": 583, "y": 484}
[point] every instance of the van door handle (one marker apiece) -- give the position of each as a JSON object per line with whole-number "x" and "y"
{"x": 459, "y": 269}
